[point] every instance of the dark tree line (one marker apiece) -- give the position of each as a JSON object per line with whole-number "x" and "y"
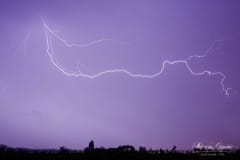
{"x": 125, "y": 152}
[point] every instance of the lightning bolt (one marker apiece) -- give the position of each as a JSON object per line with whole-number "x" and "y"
{"x": 54, "y": 61}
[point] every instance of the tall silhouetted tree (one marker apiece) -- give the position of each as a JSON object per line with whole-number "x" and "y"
{"x": 91, "y": 145}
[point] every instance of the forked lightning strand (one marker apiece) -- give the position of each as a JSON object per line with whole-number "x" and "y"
{"x": 50, "y": 52}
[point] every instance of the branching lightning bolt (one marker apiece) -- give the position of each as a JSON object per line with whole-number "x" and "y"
{"x": 50, "y": 52}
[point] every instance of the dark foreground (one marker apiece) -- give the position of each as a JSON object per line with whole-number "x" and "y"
{"x": 121, "y": 153}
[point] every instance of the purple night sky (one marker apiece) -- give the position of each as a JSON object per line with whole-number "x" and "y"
{"x": 40, "y": 106}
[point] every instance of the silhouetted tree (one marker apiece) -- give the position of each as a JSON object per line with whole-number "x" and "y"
{"x": 91, "y": 145}
{"x": 173, "y": 149}
{"x": 161, "y": 151}
{"x": 142, "y": 149}
{"x": 126, "y": 148}
{"x": 63, "y": 150}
